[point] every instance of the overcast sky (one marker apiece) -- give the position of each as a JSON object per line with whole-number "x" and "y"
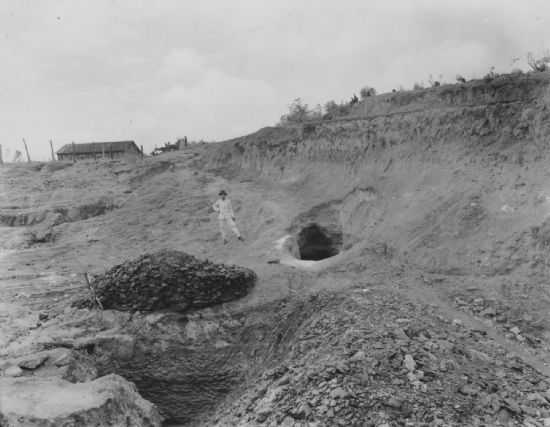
{"x": 153, "y": 71}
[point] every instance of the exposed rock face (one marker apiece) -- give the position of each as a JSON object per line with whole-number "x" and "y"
{"x": 171, "y": 280}
{"x": 502, "y": 111}
{"x": 401, "y": 146}
{"x": 58, "y": 215}
{"x": 183, "y": 363}
{"x": 59, "y": 362}
{"x": 52, "y": 402}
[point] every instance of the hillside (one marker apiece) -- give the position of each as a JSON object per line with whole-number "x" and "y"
{"x": 401, "y": 254}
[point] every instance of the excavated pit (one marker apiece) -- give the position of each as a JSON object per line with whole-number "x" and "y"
{"x": 187, "y": 364}
{"x": 316, "y": 242}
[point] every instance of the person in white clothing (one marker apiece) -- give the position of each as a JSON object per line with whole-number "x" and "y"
{"x": 226, "y": 217}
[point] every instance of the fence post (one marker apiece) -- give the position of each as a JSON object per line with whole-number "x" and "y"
{"x": 51, "y": 147}
{"x": 74, "y": 152}
{"x": 27, "y": 150}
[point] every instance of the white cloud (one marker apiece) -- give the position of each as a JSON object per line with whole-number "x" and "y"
{"x": 219, "y": 104}
{"x": 215, "y": 88}
{"x": 183, "y": 66}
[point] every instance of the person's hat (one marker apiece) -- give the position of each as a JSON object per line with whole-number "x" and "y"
{"x": 222, "y": 193}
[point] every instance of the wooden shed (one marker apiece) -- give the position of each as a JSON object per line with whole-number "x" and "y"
{"x": 98, "y": 150}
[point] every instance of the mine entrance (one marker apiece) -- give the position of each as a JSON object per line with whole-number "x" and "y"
{"x": 316, "y": 243}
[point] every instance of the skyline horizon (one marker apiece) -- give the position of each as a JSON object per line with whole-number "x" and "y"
{"x": 116, "y": 70}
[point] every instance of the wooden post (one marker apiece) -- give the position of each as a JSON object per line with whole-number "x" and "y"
{"x": 27, "y": 150}
{"x": 1, "y": 161}
{"x": 74, "y": 153}
{"x": 142, "y": 152}
{"x": 51, "y": 148}
{"x": 103, "y": 151}
{"x": 95, "y": 301}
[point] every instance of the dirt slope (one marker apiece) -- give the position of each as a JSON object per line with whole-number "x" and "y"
{"x": 438, "y": 201}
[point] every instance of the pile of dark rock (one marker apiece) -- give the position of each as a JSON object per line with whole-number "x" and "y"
{"x": 171, "y": 280}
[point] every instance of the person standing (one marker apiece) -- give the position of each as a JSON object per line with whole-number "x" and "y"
{"x": 226, "y": 216}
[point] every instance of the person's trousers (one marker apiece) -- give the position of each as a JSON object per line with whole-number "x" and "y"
{"x": 228, "y": 223}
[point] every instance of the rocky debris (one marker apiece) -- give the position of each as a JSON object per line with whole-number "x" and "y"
{"x": 515, "y": 326}
{"x": 64, "y": 363}
{"x": 44, "y": 231}
{"x": 52, "y": 402}
{"x": 171, "y": 280}
{"x": 372, "y": 360}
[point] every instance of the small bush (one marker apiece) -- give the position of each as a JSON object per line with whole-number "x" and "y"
{"x": 434, "y": 83}
{"x": 418, "y": 86}
{"x": 490, "y": 76}
{"x": 298, "y": 112}
{"x": 367, "y": 92}
{"x": 334, "y": 110}
{"x": 539, "y": 64}
{"x": 460, "y": 79}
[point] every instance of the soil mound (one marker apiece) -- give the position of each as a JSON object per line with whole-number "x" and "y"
{"x": 171, "y": 280}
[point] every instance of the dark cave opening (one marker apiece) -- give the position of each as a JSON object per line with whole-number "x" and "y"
{"x": 316, "y": 243}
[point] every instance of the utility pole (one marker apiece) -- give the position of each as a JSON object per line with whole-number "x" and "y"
{"x": 51, "y": 147}
{"x": 27, "y": 150}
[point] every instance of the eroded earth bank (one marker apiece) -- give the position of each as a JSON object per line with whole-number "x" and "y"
{"x": 394, "y": 272}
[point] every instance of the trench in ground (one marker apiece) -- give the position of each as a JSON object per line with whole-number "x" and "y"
{"x": 188, "y": 377}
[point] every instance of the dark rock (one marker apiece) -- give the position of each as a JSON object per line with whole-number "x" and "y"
{"x": 469, "y": 390}
{"x": 504, "y": 415}
{"x": 339, "y": 393}
{"x": 512, "y": 405}
{"x": 394, "y": 403}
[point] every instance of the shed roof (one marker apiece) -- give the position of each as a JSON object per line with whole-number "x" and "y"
{"x": 97, "y": 147}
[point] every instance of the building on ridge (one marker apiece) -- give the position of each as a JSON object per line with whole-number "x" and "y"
{"x": 98, "y": 150}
